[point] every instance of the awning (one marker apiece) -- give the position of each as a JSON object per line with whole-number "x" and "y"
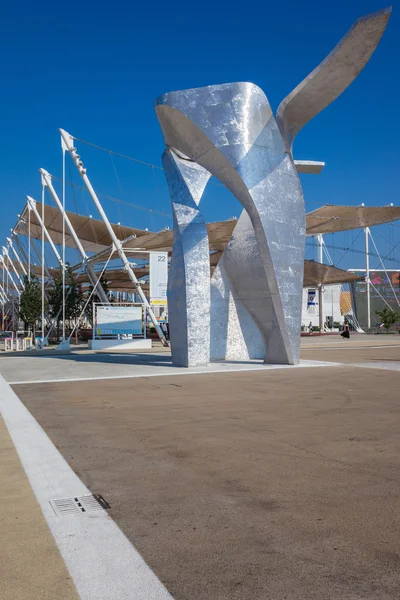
{"x": 93, "y": 233}
{"x": 317, "y": 273}
{"x": 35, "y": 269}
{"x": 114, "y": 276}
{"x": 331, "y": 218}
{"x": 314, "y": 274}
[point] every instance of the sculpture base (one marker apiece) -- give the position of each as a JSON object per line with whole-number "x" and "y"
{"x": 139, "y": 344}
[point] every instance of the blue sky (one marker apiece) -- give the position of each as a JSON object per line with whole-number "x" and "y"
{"x": 95, "y": 70}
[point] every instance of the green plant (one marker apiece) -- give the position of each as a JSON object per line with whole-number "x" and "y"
{"x": 30, "y": 304}
{"x": 388, "y": 317}
{"x": 95, "y": 298}
{"x": 73, "y": 297}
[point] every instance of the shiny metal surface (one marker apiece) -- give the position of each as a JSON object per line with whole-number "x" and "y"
{"x": 333, "y": 75}
{"x": 230, "y": 131}
{"x": 189, "y": 274}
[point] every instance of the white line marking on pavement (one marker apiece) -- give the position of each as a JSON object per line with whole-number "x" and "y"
{"x": 101, "y": 560}
{"x": 345, "y": 347}
{"x": 386, "y": 366}
{"x": 184, "y": 371}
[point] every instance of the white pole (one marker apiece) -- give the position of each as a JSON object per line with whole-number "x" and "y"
{"x": 320, "y": 242}
{"x": 37, "y": 253}
{"x": 5, "y": 297}
{"x": 9, "y": 275}
{"x": 367, "y": 279}
{"x": 42, "y": 263}
{"x": 63, "y": 242}
{"x": 20, "y": 248}
{"x": 46, "y": 179}
{"x": 29, "y": 244}
{"x": 68, "y": 141}
{"x": 32, "y": 204}
{"x": 11, "y": 263}
{"x": 21, "y": 264}
{"x": 3, "y": 303}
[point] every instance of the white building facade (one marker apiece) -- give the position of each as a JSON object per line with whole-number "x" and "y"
{"x": 331, "y": 306}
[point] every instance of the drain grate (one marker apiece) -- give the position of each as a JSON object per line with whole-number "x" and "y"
{"x": 78, "y": 505}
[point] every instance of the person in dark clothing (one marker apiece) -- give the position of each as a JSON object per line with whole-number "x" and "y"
{"x": 346, "y": 331}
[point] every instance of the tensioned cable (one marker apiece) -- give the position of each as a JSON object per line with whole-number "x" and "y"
{"x": 347, "y": 249}
{"x": 310, "y": 244}
{"x": 392, "y": 250}
{"x": 355, "y": 323}
{"x": 390, "y": 282}
{"x": 91, "y": 294}
{"x": 379, "y": 294}
{"x": 152, "y": 210}
{"x": 141, "y": 162}
{"x": 118, "y": 200}
{"x": 120, "y": 187}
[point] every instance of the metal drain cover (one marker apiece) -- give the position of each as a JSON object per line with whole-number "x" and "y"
{"x": 79, "y": 504}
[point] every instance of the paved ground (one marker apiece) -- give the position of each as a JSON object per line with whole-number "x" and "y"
{"x": 79, "y": 366}
{"x": 30, "y": 563}
{"x": 85, "y": 364}
{"x": 272, "y": 484}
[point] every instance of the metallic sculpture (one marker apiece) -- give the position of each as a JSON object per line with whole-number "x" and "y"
{"x": 189, "y": 276}
{"x": 229, "y": 131}
{"x": 264, "y": 259}
{"x": 333, "y": 75}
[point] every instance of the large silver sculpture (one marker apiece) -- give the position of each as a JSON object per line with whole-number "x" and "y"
{"x": 252, "y": 306}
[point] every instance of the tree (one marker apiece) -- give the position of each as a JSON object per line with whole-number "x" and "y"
{"x": 389, "y": 317}
{"x": 30, "y": 305}
{"x": 73, "y": 297}
{"x": 95, "y": 298}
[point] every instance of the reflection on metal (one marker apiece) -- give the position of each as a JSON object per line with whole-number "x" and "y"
{"x": 189, "y": 276}
{"x": 335, "y": 73}
{"x": 229, "y": 130}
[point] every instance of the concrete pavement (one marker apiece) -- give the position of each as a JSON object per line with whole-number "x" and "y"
{"x": 265, "y": 483}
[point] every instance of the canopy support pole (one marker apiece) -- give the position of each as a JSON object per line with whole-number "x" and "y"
{"x": 68, "y": 141}
{"x": 367, "y": 279}
{"x": 320, "y": 242}
{"x": 46, "y": 180}
{"x": 32, "y": 204}
{"x": 21, "y": 264}
{"x": 2, "y": 259}
{"x": 5, "y": 252}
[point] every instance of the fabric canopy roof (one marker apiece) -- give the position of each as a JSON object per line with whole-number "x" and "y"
{"x": 314, "y": 274}
{"x": 331, "y": 218}
{"x": 94, "y": 236}
{"x": 35, "y": 269}
{"x": 317, "y": 273}
{"x": 92, "y": 233}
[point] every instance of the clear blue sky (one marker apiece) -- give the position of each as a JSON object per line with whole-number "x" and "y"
{"x": 95, "y": 70}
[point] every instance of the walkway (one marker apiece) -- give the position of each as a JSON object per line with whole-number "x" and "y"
{"x": 265, "y": 483}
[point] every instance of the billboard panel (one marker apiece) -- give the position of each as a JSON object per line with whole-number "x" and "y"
{"x": 158, "y": 278}
{"x": 119, "y": 320}
{"x": 380, "y": 293}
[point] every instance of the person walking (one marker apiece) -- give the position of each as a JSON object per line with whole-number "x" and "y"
{"x": 346, "y": 331}
{"x": 310, "y": 328}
